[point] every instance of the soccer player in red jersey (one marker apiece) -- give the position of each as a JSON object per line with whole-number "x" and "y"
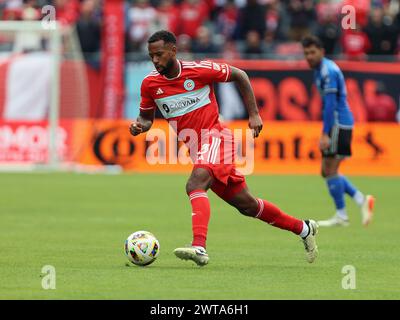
{"x": 183, "y": 92}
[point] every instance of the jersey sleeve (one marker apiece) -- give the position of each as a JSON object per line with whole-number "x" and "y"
{"x": 146, "y": 101}
{"x": 330, "y": 88}
{"x": 330, "y": 82}
{"x": 328, "y": 117}
{"x": 214, "y": 71}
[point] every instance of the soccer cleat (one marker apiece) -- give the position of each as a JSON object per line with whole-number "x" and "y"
{"x": 197, "y": 254}
{"x": 367, "y": 210}
{"x": 335, "y": 221}
{"x": 309, "y": 241}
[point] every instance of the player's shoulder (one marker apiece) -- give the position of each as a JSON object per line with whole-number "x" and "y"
{"x": 329, "y": 68}
{"x": 197, "y": 65}
{"x": 153, "y": 75}
{"x": 150, "y": 80}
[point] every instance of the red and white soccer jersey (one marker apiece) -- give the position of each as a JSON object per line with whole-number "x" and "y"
{"x": 188, "y": 98}
{"x": 188, "y": 102}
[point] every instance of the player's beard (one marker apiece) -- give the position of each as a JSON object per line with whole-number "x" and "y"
{"x": 165, "y": 70}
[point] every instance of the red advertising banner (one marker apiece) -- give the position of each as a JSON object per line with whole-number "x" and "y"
{"x": 28, "y": 141}
{"x": 285, "y": 90}
{"x": 113, "y": 58}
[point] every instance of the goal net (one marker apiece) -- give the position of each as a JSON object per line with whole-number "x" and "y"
{"x": 43, "y": 90}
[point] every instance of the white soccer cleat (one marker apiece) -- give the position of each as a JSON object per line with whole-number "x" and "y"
{"x": 367, "y": 210}
{"x": 197, "y": 254}
{"x": 335, "y": 221}
{"x": 309, "y": 241}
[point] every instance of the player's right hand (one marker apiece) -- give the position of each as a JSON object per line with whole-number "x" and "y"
{"x": 135, "y": 128}
{"x": 324, "y": 142}
{"x": 255, "y": 124}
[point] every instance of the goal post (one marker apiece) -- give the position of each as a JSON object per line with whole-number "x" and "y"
{"x": 44, "y": 81}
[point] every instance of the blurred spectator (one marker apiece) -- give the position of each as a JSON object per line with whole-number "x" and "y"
{"x": 381, "y": 106}
{"x": 253, "y": 45}
{"x": 28, "y": 41}
{"x": 302, "y": 15}
{"x": 230, "y": 51}
{"x": 203, "y": 43}
{"x": 273, "y": 22}
{"x": 184, "y": 45}
{"x": 227, "y": 19}
{"x": 279, "y": 24}
{"x": 192, "y": 15}
{"x": 142, "y": 19}
{"x": 252, "y": 18}
{"x": 328, "y": 29}
{"x": 355, "y": 44}
{"x": 29, "y": 11}
{"x": 67, "y": 11}
{"x": 167, "y": 15}
{"x": 325, "y": 8}
{"x": 382, "y": 33}
{"x": 11, "y": 4}
{"x": 11, "y": 9}
{"x": 89, "y": 31}
{"x": 392, "y": 7}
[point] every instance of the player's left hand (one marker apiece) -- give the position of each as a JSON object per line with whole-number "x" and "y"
{"x": 324, "y": 142}
{"x": 255, "y": 124}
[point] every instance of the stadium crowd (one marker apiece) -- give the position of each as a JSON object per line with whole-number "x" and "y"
{"x": 234, "y": 28}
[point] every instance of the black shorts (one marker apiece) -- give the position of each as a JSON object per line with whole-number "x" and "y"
{"x": 340, "y": 143}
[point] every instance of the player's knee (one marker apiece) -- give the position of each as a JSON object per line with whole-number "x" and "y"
{"x": 200, "y": 179}
{"x": 329, "y": 173}
{"x": 191, "y": 186}
{"x": 248, "y": 208}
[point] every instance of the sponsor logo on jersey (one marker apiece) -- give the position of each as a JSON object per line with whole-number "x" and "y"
{"x": 159, "y": 91}
{"x": 189, "y": 85}
{"x": 180, "y": 104}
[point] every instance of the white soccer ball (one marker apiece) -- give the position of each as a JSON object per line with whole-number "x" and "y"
{"x": 142, "y": 248}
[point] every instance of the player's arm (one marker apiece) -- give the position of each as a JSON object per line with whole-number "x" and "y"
{"x": 143, "y": 123}
{"x": 328, "y": 116}
{"x": 328, "y": 119}
{"x": 243, "y": 82}
{"x": 147, "y": 111}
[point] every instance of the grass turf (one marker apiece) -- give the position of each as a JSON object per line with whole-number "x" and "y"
{"x": 78, "y": 224}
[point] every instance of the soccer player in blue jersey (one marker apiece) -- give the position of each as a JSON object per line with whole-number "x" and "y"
{"x": 335, "y": 141}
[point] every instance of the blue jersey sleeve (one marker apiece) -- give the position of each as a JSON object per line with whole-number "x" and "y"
{"x": 330, "y": 88}
{"x": 330, "y": 82}
{"x": 328, "y": 114}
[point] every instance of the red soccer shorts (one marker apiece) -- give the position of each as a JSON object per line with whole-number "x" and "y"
{"x": 216, "y": 154}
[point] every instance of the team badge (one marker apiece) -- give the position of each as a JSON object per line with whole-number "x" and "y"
{"x": 188, "y": 85}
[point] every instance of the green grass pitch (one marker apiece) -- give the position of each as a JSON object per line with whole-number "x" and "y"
{"x": 78, "y": 223}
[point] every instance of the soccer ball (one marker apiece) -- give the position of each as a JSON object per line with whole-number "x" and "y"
{"x": 142, "y": 248}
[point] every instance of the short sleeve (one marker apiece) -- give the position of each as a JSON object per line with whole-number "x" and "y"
{"x": 330, "y": 82}
{"x": 214, "y": 71}
{"x": 146, "y": 101}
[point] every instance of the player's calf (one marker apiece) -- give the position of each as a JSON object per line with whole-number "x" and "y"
{"x": 245, "y": 203}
